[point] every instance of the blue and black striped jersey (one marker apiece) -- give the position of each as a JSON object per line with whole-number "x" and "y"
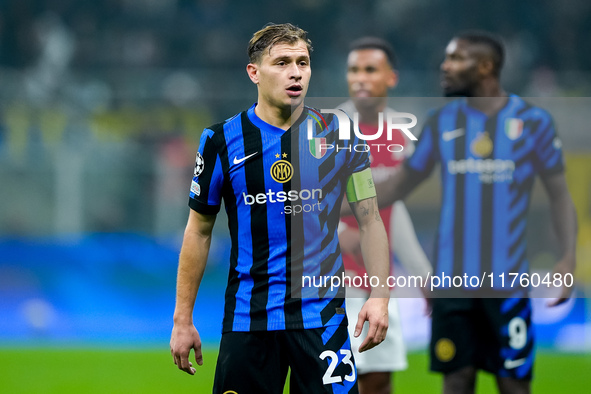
{"x": 282, "y": 193}
{"x": 488, "y": 166}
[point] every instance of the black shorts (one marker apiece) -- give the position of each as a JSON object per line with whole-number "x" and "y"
{"x": 493, "y": 334}
{"x": 257, "y": 362}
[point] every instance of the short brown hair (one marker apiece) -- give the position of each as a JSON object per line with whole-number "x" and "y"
{"x": 272, "y": 34}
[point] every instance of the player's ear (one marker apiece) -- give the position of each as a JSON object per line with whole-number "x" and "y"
{"x": 392, "y": 79}
{"x": 252, "y": 69}
{"x": 485, "y": 67}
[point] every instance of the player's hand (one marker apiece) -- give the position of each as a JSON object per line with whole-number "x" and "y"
{"x": 375, "y": 311}
{"x": 183, "y": 339}
{"x": 563, "y": 267}
{"x": 426, "y": 292}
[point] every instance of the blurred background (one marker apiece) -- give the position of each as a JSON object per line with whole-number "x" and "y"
{"x": 101, "y": 107}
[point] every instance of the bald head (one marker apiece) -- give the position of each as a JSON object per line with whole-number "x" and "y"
{"x": 485, "y": 47}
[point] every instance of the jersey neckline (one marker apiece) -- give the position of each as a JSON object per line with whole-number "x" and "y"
{"x": 511, "y": 97}
{"x": 261, "y": 124}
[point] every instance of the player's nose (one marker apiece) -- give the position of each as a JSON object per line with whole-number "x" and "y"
{"x": 361, "y": 77}
{"x": 295, "y": 72}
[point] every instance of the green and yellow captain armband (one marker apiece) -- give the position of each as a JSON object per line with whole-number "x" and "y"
{"x": 360, "y": 186}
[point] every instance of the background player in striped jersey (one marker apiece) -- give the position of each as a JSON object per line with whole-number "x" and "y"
{"x": 370, "y": 74}
{"x": 260, "y": 163}
{"x": 491, "y": 145}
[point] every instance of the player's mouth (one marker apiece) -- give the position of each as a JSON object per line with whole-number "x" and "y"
{"x": 294, "y": 90}
{"x": 445, "y": 83}
{"x": 362, "y": 93}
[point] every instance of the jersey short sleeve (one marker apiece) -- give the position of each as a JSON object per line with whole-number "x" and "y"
{"x": 547, "y": 154}
{"x": 206, "y": 187}
{"x": 425, "y": 153}
{"x": 358, "y": 153}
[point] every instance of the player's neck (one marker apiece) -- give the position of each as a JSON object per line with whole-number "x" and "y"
{"x": 371, "y": 115}
{"x": 276, "y": 116}
{"x": 488, "y": 97}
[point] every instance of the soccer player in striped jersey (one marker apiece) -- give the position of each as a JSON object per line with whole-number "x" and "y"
{"x": 491, "y": 145}
{"x": 282, "y": 192}
{"x": 371, "y": 74}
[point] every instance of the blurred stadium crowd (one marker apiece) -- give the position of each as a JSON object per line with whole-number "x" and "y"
{"x": 545, "y": 38}
{"x": 143, "y": 77}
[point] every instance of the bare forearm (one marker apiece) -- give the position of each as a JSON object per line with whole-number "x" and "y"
{"x": 564, "y": 216}
{"x": 374, "y": 244}
{"x": 405, "y": 244}
{"x": 192, "y": 262}
{"x": 375, "y": 251}
{"x": 564, "y": 219}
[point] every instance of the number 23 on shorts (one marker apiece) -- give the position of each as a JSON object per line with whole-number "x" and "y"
{"x": 328, "y": 377}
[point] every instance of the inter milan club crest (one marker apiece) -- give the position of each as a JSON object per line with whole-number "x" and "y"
{"x": 199, "y": 165}
{"x": 281, "y": 170}
{"x": 513, "y": 128}
{"x": 318, "y": 147}
{"x": 482, "y": 145}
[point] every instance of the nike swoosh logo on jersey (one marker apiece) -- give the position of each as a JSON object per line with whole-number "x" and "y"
{"x": 450, "y": 135}
{"x": 238, "y": 161}
{"x": 510, "y": 364}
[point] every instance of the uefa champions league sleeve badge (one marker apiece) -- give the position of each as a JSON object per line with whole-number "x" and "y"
{"x": 199, "y": 165}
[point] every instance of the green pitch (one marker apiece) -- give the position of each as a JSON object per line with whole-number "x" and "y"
{"x": 152, "y": 371}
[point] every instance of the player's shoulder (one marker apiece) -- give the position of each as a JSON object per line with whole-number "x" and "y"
{"x": 217, "y": 130}
{"x": 433, "y": 114}
{"x": 327, "y": 122}
{"x": 529, "y": 110}
{"x": 219, "y": 127}
{"x": 318, "y": 114}
{"x": 453, "y": 105}
{"x": 348, "y": 107}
